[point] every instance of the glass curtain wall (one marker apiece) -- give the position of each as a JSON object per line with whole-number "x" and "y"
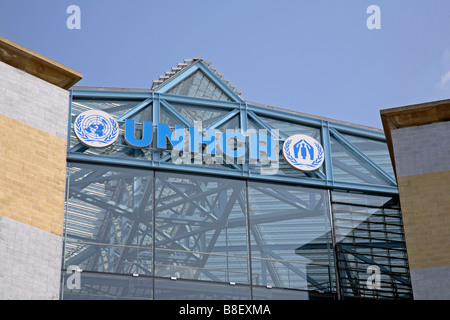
{"x": 141, "y": 227}
{"x": 169, "y": 226}
{"x": 145, "y": 234}
{"x": 370, "y": 246}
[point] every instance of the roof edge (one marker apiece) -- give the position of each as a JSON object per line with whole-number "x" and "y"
{"x": 412, "y": 115}
{"x": 416, "y": 114}
{"x": 37, "y": 65}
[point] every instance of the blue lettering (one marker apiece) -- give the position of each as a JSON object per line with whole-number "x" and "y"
{"x": 209, "y": 140}
{"x": 176, "y": 140}
{"x": 262, "y": 143}
{"x": 240, "y": 150}
{"x": 130, "y": 136}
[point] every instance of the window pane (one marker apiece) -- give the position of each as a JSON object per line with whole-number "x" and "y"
{"x": 198, "y": 85}
{"x": 167, "y": 289}
{"x": 263, "y": 293}
{"x": 377, "y": 151}
{"x": 115, "y": 108}
{"x": 347, "y": 167}
{"x": 369, "y": 232}
{"x": 109, "y": 219}
{"x": 104, "y": 286}
{"x": 201, "y": 228}
{"x": 290, "y": 237}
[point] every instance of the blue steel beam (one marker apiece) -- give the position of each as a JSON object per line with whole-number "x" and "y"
{"x": 175, "y": 114}
{"x": 110, "y": 94}
{"x": 156, "y": 118}
{"x": 365, "y": 160}
{"x": 283, "y": 115}
{"x": 262, "y": 124}
{"x": 155, "y": 164}
{"x": 325, "y": 132}
{"x": 199, "y": 102}
{"x": 136, "y": 109}
{"x": 224, "y": 119}
{"x": 243, "y": 120}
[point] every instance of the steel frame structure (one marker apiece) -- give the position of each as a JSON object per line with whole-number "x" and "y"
{"x": 189, "y": 219}
{"x": 245, "y": 112}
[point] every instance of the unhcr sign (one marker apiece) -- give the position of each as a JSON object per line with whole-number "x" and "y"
{"x": 192, "y": 145}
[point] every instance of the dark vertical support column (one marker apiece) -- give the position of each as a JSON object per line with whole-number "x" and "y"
{"x": 335, "y": 251}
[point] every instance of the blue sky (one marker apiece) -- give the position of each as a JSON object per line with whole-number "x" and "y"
{"x": 316, "y": 57}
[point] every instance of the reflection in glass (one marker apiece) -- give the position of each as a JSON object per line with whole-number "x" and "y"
{"x": 285, "y": 223}
{"x": 106, "y": 286}
{"x": 122, "y": 221}
{"x": 201, "y": 228}
{"x": 167, "y": 289}
{"x": 108, "y": 222}
{"x": 369, "y": 232}
{"x": 347, "y": 167}
{"x": 376, "y": 150}
{"x": 200, "y": 86}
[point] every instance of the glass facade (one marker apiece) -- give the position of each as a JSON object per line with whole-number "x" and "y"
{"x": 141, "y": 226}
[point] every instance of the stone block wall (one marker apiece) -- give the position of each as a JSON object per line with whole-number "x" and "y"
{"x": 33, "y": 139}
{"x": 423, "y": 176}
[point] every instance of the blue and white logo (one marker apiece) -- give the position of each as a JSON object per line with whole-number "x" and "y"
{"x": 95, "y": 128}
{"x": 303, "y": 152}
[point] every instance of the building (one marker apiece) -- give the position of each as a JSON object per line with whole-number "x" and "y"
{"x": 187, "y": 191}
{"x": 34, "y": 100}
{"x": 418, "y": 139}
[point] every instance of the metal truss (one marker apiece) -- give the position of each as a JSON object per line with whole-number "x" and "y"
{"x": 161, "y": 103}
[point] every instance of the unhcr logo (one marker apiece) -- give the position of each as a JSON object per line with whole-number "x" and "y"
{"x": 303, "y": 152}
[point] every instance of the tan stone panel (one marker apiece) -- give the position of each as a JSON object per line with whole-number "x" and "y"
{"x": 425, "y": 202}
{"x": 32, "y": 175}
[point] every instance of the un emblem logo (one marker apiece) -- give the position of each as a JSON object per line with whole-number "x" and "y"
{"x": 303, "y": 152}
{"x": 95, "y": 128}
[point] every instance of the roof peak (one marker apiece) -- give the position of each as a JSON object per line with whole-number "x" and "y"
{"x": 174, "y": 71}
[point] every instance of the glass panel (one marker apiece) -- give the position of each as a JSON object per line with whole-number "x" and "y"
{"x": 288, "y": 129}
{"x": 369, "y": 235}
{"x": 377, "y": 151}
{"x": 208, "y": 115}
{"x": 167, "y": 289}
{"x": 264, "y": 293}
{"x": 190, "y": 115}
{"x": 104, "y": 286}
{"x": 200, "y": 86}
{"x": 115, "y": 108}
{"x": 290, "y": 237}
{"x": 108, "y": 225}
{"x": 348, "y": 168}
{"x": 201, "y": 228}
{"x": 166, "y": 117}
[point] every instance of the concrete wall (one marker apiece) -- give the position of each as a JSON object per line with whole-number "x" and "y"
{"x": 423, "y": 175}
{"x": 33, "y": 135}
{"x": 30, "y": 261}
